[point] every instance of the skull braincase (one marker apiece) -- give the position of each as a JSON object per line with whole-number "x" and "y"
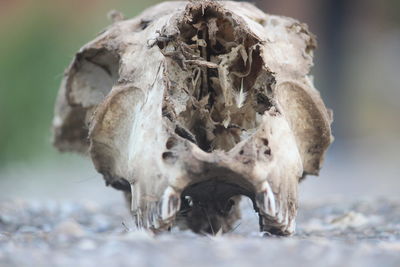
{"x": 192, "y": 104}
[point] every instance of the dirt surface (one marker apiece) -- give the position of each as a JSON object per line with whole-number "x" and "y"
{"x": 342, "y": 221}
{"x": 47, "y": 233}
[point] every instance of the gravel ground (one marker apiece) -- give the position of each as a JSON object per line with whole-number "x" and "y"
{"x": 47, "y": 233}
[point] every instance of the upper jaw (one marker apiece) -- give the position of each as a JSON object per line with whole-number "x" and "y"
{"x": 211, "y": 179}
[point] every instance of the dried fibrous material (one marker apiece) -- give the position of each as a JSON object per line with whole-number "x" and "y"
{"x": 191, "y": 105}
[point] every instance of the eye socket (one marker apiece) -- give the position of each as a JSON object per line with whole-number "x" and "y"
{"x": 91, "y": 77}
{"x": 87, "y": 82}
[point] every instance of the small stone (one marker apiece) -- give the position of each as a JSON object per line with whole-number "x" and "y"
{"x": 4, "y": 236}
{"x": 350, "y": 219}
{"x": 70, "y": 227}
{"x": 6, "y": 219}
{"x": 27, "y": 229}
{"x": 87, "y": 244}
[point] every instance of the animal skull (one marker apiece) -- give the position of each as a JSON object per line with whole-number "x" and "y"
{"x": 192, "y": 104}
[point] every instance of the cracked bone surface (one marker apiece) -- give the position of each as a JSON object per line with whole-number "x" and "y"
{"x": 191, "y": 105}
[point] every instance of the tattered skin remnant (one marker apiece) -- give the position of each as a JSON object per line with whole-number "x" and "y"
{"x": 190, "y": 106}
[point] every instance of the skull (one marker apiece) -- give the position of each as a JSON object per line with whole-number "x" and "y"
{"x": 190, "y": 106}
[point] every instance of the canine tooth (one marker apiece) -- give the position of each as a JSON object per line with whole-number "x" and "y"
{"x": 271, "y": 203}
{"x": 286, "y": 221}
{"x": 291, "y": 226}
{"x": 266, "y": 200}
{"x": 154, "y": 216}
{"x": 170, "y": 203}
{"x": 135, "y": 197}
{"x": 280, "y": 216}
{"x": 138, "y": 219}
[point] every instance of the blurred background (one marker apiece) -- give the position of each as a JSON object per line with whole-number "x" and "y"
{"x": 357, "y": 70}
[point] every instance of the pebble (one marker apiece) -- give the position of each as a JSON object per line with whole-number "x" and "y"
{"x": 28, "y": 229}
{"x": 70, "y": 228}
{"x": 87, "y": 244}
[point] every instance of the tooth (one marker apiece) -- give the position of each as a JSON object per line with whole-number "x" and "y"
{"x": 138, "y": 219}
{"x": 146, "y": 218}
{"x": 279, "y": 216}
{"x": 135, "y": 205}
{"x": 291, "y": 226}
{"x": 278, "y": 206}
{"x": 170, "y": 203}
{"x": 266, "y": 200}
{"x": 135, "y": 197}
{"x": 286, "y": 221}
{"x": 153, "y": 216}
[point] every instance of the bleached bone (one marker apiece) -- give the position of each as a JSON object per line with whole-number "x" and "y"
{"x": 191, "y": 105}
{"x": 170, "y": 204}
{"x": 266, "y": 200}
